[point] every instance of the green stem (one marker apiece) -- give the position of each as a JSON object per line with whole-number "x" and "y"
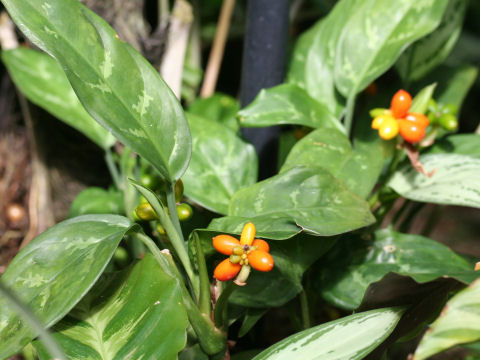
{"x": 350, "y": 109}
{"x": 172, "y": 208}
{"x": 30, "y": 318}
{"x": 222, "y": 305}
{"x": 305, "y": 310}
{"x": 112, "y": 168}
{"x": 204, "y": 298}
{"x": 211, "y": 339}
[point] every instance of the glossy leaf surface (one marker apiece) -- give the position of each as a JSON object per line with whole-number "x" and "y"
{"x": 376, "y": 34}
{"x": 349, "y": 338}
{"x": 310, "y": 197}
{"x": 117, "y": 86}
{"x": 287, "y": 104}
{"x": 430, "y": 51}
{"x": 44, "y": 83}
{"x": 54, "y": 271}
{"x": 455, "y": 181}
{"x": 136, "y": 313}
{"x": 462, "y": 144}
{"x": 221, "y": 108}
{"x": 358, "y": 169}
{"x": 354, "y": 264}
{"x": 459, "y": 323}
{"x": 221, "y": 164}
{"x": 97, "y": 201}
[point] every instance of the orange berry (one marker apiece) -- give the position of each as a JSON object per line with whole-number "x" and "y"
{"x": 260, "y": 260}
{"x": 411, "y": 132}
{"x": 400, "y": 104}
{"x": 389, "y": 129}
{"x": 225, "y": 244}
{"x": 261, "y": 245}
{"x": 248, "y": 234}
{"x": 226, "y": 270}
{"x": 418, "y": 119}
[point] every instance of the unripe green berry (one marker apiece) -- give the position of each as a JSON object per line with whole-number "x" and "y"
{"x": 145, "y": 212}
{"x": 448, "y": 122}
{"x": 184, "y": 212}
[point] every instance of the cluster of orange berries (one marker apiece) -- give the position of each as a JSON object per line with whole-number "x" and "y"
{"x": 411, "y": 125}
{"x": 244, "y": 253}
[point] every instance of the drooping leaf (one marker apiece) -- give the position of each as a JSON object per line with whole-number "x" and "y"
{"x": 430, "y": 51}
{"x": 44, "y": 83}
{"x": 55, "y": 270}
{"x": 310, "y": 197}
{"x": 354, "y": 264}
{"x": 221, "y": 108}
{"x": 96, "y": 200}
{"x": 136, "y": 313}
{"x": 292, "y": 258}
{"x": 352, "y": 337}
{"x": 117, "y": 86}
{"x": 375, "y": 35}
{"x": 287, "y": 104}
{"x": 455, "y": 181}
{"x": 462, "y": 144}
{"x": 357, "y": 168}
{"x": 459, "y": 323}
{"x": 221, "y": 164}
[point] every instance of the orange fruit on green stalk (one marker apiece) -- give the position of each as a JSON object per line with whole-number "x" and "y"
{"x": 226, "y": 270}
{"x": 411, "y": 132}
{"x": 261, "y": 245}
{"x": 225, "y": 244}
{"x": 400, "y": 104}
{"x": 418, "y": 119}
{"x": 260, "y": 260}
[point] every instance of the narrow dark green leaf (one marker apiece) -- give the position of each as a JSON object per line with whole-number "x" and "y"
{"x": 96, "y": 200}
{"x": 44, "y": 83}
{"x": 287, "y": 104}
{"x": 457, "y": 83}
{"x": 117, "y": 86}
{"x": 375, "y": 35}
{"x": 462, "y": 144}
{"x": 221, "y": 164}
{"x": 310, "y": 197}
{"x": 221, "y": 108}
{"x": 459, "y": 323}
{"x": 251, "y": 318}
{"x": 420, "y": 101}
{"x": 430, "y": 51}
{"x": 354, "y": 264}
{"x": 352, "y": 337}
{"x": 53, "y": 272}
{"x": 331, "y": 149}
{"x": 455, "y": 181}
{"x": 137, "y": 313}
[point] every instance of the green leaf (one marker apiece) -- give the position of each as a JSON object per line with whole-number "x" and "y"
{"x": 292, "y": 258}
{"x": 287, "y": 104}
{"x": 352, "y": 337}
{"x": 54, "y": 271}
{"x": 420, "y": 101}
{"x": 459, "y": 323}
{"x": 313, "y": 59}
{"x": 96, "y": 200}
{"x": 251, "y": 318}
{"x": 221, "y": 164}
{"x": 43, "y": 82}
{"x": 354, "y": 264}
{"x": 430, "y": 51}
{"x": 331, "y": 149}
{"x": 310, "y": 197}
{"x": 455, "y": 84}
{"x": 136, "y": 313}
{"x": 462, "y": 144}
{"x": 221, "y": 108}
{"x": 455, "y": 181}
{"x": 376, "y": 34}
{"x": 117, "y": 86}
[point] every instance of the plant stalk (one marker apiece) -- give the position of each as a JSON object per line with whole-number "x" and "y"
{"x": 305, "y": 310}
{"x": 32, "y": 320}
{"x": 112, "y": 168}
{"x": 222, "y": 305}
{"x": 204, "y": 302}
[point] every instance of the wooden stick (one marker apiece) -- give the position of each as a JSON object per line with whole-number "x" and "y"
{"x": 216, "y": 54}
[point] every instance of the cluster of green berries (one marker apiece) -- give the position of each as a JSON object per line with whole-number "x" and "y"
{"x": 443, "y": 115}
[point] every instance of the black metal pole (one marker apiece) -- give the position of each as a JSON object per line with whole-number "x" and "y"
{"x": 264, "y": 62}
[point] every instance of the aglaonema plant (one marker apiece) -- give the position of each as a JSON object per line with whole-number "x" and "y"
{"x": 335, "y": 185}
